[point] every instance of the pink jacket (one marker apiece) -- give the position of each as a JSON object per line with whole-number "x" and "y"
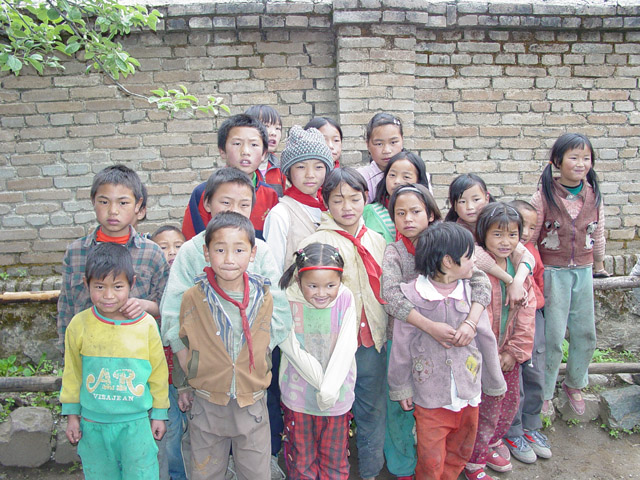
{"x": 520, "y": 328}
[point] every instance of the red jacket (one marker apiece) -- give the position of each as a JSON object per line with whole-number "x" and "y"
{"x": 520, "y": 328}
{"x": 196, "y": 217}
{"x": 538, "y": 275}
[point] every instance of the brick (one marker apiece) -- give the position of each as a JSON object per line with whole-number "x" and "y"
{"x": 29, "y": 183}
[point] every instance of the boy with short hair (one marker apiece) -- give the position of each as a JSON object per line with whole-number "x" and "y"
{"x": 115, "y": 371}
{"x": 242, "y": 142}
{"x": 117, "y": 196}
{"x": 524, "y": 439}
{"x": 225, "y": 320}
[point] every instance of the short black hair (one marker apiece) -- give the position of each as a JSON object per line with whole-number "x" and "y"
{"x": 118, "y": 175}
{"x": 420, "y": 191}
{"x": 439, "y": 240}
{"x": 380, "y": 119}
{"x": 242, "y": 120}
{"x": 230, "y": 220}
{"x": 461, "y": 184}
{"x": 319, "y": 122}
{"x": 522, "y": 206}
{"x": 347, "y": 175}
{"x": 496, "y": 212}
{"x": 165, "y": 228}
{"x": 106, "y": 259}
{"x": 265, "y": 113}
{"x": 227, "y": 175}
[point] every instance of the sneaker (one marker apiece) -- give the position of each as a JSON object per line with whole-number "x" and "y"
{"x": 575, "y": 399}
{"x": 547, "y": 408}
{"x": 497, "y": 463}
{"x": 502, "y": 450}
{"x": 539, "y": 443}
{"x": 276, "y": 471}
{"x": 479, "y": 474}
{"x": 521, "y": 449}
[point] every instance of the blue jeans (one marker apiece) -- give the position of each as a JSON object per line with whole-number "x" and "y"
{"x": 276, "y": 423}
{"x": 175, "y": 429}
{"x": 370, "y": 408}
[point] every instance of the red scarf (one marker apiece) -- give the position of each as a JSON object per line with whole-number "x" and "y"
{"x": 303, "y": 198}
{"x": 411, "y": 248}
{"x": 374, "y": 271}
{"x": 104, "y": 238}
{"x": 211, "y": 276}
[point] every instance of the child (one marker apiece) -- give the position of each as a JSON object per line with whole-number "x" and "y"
{"x": 468, "y": 195}
{"x": 344, "y": 192}
{"x": 413, "y": 209}
{"x": 116, "y": 194}
{"x": 225, "y": 321}
{"x": 305, "y": 161}
{"x": 227, "y": 189}
{"x": 384, "y": 140}
{"x": 142, "y": 212}
{"x": 524, "y": 439}
{"x": 318, "y": 370}
{"x": 570, "y": 237}
{"x": 498, "y": 231}
{"x": 332, "y": 136}
{"x": 270, "y": 166}
{"x": 169, "y": 239}
{"x": 242, "y": 142}
{"x": 403, "y": 168}
{"x": 114, "y": 373}
{"x": 443, "y": 383}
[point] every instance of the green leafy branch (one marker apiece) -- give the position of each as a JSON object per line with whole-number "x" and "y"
{"x": 175, "y": 100}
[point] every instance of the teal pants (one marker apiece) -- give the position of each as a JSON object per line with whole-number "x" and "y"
{"x": 118, "y": 451}
{"x": 568, "y": 304}
{"x": 399, "y": 441}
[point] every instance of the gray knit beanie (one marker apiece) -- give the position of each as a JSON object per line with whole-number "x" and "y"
{"x": 305, "y": 145}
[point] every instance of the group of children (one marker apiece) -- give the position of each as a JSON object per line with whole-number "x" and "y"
{"x": 302, "y": 299}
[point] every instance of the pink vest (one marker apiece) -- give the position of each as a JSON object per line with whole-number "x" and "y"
{"x": 566, "y": 241}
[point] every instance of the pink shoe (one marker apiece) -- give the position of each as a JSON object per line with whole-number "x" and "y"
{"x": 477, "y": 475}
{"x": 575, "y": 399}
{"x": 547, "y": 408}
{"x": 497, "y": 463}
{"x": 502, "y": 450}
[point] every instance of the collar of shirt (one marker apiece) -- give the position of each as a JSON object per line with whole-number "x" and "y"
{"x": 426, "y": 290}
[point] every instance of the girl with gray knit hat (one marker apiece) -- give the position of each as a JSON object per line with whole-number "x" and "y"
{"x": 305, "y": 161}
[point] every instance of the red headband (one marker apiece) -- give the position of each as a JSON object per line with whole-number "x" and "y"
{"x": 320, "y": 267}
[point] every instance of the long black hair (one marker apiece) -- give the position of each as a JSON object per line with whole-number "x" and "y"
{"x": 461, "y": 184}
{"x": 566, "y": 142}
{"x": 382, "y": 196}
{"x": 313, "y": 255}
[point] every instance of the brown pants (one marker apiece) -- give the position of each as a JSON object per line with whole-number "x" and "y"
{"x": 215, "y": 429}
{"x": 445, "y": 441}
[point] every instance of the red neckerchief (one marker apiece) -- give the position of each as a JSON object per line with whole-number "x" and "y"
{"x": 303, "y": 198}
{"x": 104, "y": 238}
{"x": 374, "y": 272}
{"x": 211, "y": 276}
{"x": 411, "y": 248}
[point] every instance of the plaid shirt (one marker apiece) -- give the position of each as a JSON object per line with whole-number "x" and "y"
{"x": 149, "y": 264}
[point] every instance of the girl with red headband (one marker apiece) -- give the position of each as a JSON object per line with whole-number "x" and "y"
{"x": 318, "y": 368}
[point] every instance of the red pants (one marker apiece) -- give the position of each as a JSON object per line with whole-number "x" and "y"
{"x": 316, "y": 447}
{"x": 445, "y": 441}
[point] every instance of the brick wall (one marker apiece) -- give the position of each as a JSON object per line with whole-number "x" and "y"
{"x": 482, "y": 87}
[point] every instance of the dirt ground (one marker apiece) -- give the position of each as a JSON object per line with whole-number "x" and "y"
{"x": 579, "y": 452}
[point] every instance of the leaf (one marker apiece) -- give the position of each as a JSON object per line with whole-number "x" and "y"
{"x": 35, "y": 64}
{"x": 72, "y": 48}
{"x": 53, "y": 14}
{"x": 75, "y": 14}
{"x": 183, "y": 88}
{"x": 160, "y": 92}
{"x": 225, "y": 108}
{"x": 14, "y": 64}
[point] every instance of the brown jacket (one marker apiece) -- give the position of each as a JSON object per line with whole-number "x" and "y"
{"x": 210, "y": 366}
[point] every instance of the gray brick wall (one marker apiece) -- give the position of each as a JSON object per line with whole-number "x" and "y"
{"x": 481, "y": 87}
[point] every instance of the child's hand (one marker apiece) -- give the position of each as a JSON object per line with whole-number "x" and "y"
{"x": 507, "y": 362}
{"x": 132, "y": 309}
{"x": 73, "y": 432}
{"x": 498, "y": 397}
{"x": 464, "y": 335}
{"x": 158, "y": 428}
{"x": 442, "y": 333}
{"x": 185, "y": 401}
{"x": 515, "y": 293}
{"x": 407, "y": 404}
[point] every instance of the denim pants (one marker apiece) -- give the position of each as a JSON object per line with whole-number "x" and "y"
{"x": 568, "y": 304}
{"x": 176, "y": 427}
{"x": 273, "y": 404}
{"x": 531, "y": 385}
{"x": 369, "y": 409}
